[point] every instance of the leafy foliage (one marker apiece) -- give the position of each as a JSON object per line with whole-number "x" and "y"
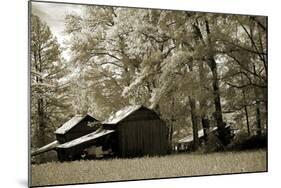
{"x": 186, "y": 66}
{"x": 49, "y": 95}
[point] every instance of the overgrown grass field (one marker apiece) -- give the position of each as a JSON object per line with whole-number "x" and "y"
{"x": 56, "y": 173}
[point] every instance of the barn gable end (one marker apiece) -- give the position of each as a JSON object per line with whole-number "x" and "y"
{"x": 76, "y": 127}
{"x": 140, "y": 132}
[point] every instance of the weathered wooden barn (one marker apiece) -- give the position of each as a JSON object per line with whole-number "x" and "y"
{"x": 139, "y": 132}
{"x": 133, "y": 131}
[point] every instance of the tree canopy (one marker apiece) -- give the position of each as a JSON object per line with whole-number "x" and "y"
{"x": 192, "y": 68}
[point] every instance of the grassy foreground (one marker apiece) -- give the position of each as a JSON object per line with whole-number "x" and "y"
{"x": 148, "y": 167}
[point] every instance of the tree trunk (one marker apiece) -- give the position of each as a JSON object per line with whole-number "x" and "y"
{"x": 172, "y": 119}
{"x": 266, "y": 106}
{"x": 247, "y": 119}
{"x": 223, "y": 134}
{"x": 194, "y": 123}
{"x": 157, "y": 109}
{"x": 205, "y": 125}
{"x": 203, "y": 104}
{"x": 40, "y": 103}
{"x": 258, "y": 115}
{"x": 193, "y": 113}
{"x": 41, "y": 123}
{"x": 171, "y": 130}
{"x": 245, "y": 107}
{"x": 171, "y": 146}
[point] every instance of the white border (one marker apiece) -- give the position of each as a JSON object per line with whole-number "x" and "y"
{"x": 13, "y": 100}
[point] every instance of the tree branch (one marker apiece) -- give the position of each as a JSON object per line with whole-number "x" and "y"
{"x": 259, "y": 23}
{"x": 241, "y": 65}
{"x": 106, "y": 53}
{"x": 252, "y": 41}
{"x": 245, "y": 85}
{"x": 111, "y": 63}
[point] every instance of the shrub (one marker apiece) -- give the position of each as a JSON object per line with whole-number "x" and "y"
{"x": 242, "y": 141}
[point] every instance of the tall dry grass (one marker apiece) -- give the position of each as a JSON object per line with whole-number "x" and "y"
{"x": 148, "y": 167}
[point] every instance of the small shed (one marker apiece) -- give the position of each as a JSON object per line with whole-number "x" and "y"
{"x": 185, "y": 144}
{"x": 139, "y": 132}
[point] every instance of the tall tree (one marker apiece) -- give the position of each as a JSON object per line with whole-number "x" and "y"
{"x": 247, "y": 51}
{"x": 48, "y": 95}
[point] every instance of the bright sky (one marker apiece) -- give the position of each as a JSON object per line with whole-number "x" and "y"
{"x": 53, "y": 14}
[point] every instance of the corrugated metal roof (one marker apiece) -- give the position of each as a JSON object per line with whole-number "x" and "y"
{"x": 121, "y": 114}
{"x": 190, "y": 138}
{"x": 70, "y": 124}
{"x": 46, "y": 148}
{"x": 98, "y": 133}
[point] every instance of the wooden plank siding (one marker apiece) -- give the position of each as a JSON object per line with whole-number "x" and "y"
{"x": 142, "y": 133}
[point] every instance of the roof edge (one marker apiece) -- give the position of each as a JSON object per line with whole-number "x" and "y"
{"x": 84, "y": 116}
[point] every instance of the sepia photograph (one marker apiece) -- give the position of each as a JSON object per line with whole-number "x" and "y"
{"x": 128, "y": 93}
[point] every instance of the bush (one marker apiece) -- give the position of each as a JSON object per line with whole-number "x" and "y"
{"x": 254, "y": 142}
{"x": 242, "y": 141}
